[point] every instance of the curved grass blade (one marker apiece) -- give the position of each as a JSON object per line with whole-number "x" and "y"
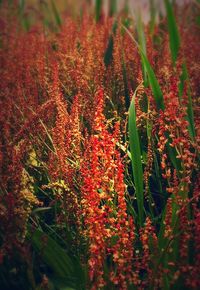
{"x": 52, "y": 254}
{"x": 174, "y": 38}
{"x": 157, "y": 93}
{"x": 158, "y": 97}
{"x": 63, "y": 266}
{"x": 142, "y": 45}
{"x": 136, "y": 159}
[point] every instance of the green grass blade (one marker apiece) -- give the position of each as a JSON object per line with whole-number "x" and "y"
{"x": 142, "y": 44}
{"x": 56, "y": 14}
{"x": 172, "y": 154}
{"x": 108, "y": 55}
{"x": 52, "y": 254}
{"x": 157, "y": 93}
{"x": 65, "y": 268}
{"x": 21, "y": 6}
{"x": 98, "y": 9}
{"x": 126, "y": 90}
{"x": 60, "y": 284}
{"x": 190, "y": 113}
{"x": 161, "y": 237}
{"x": 24, "y": 18}
{"x": 112, "y": 7}
{"x": 174, "y": 37}
{"x": 158, "y": 96}
{"x": 136, "y": 159}
{"x": 190, "y": 117}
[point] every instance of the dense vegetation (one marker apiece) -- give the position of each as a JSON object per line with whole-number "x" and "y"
{"x": 99, "y": 120}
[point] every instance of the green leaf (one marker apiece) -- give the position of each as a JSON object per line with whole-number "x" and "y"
{"x": 60, "y": 283}
{"x": 142, "y": 44}
{"x": 190, "y": 117}
{"x": 136, "y": 158}
{"x": 190, "y": 113}
{"x": 21, "y": 6}
{"x": 52, "y": 254}
{"x": 108, "y": 55}
{"x": 124, "y": 74}
{"x": 161, "y": 238}
{"x": 157, "y": 93}
{"x": 198, "y": 20}
{"x": 98, "y": 9}
{"x": 40, "y": 209}
{"x": 158, "y": 96}
{"x": 56, "y": 14}
{"x": 112, "y": 7}
{"x": 174, "y": 38}
{"x": 172, "y": 154}
{"x": 64, "y": 267}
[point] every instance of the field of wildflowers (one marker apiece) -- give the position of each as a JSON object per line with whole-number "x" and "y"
{"x": 99, "y": 147}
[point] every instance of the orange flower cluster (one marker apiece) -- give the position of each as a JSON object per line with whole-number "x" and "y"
{"x": 109, "y": 230}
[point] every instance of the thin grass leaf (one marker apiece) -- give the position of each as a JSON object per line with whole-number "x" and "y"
{"x": 64, "y": 267}
{"x": 174, "y": 46}
{"x": 56, "y": 14}
{"x": 158, "y": 96}
{"x": 157, "y": 93}
{"x": 112, "y": 7}
{"x": 21, "y": 6}
{"x": 190, "y": 117}
{"x": 108, "y": 55}
{"x": 124, "y": 149}
{"x": 126, "y": 90}
{"x": 60, "y": 284}
{"x": 40, "y": 209}
{"x": 183, "y": 78}
{"x": 152, "y": 15}
{"x": 142, "y": 44}
{"x": 190, "y": 114}
{"x": 98, "y": 9}
{"x": 52, "y": 254}
{"x": 172, "y": 154}
{"x": 198, "y": 20}
{"x": 161, "y": 237}
{"x": 136, "y": 159}
{"x": 174, "y": 38}
{"x": 25, "y": 21}
{"x": 48, "y": 135}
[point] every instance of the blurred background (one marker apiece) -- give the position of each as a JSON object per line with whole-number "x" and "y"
{"x": 74, "y": 6}
{"x": 50, "y": 12}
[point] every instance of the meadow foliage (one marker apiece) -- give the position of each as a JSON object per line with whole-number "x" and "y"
{"x": 99, "y": 148}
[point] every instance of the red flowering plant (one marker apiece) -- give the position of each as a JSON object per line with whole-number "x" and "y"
{"x": 108, "y": 228}
{"x": 99, "y": 183}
